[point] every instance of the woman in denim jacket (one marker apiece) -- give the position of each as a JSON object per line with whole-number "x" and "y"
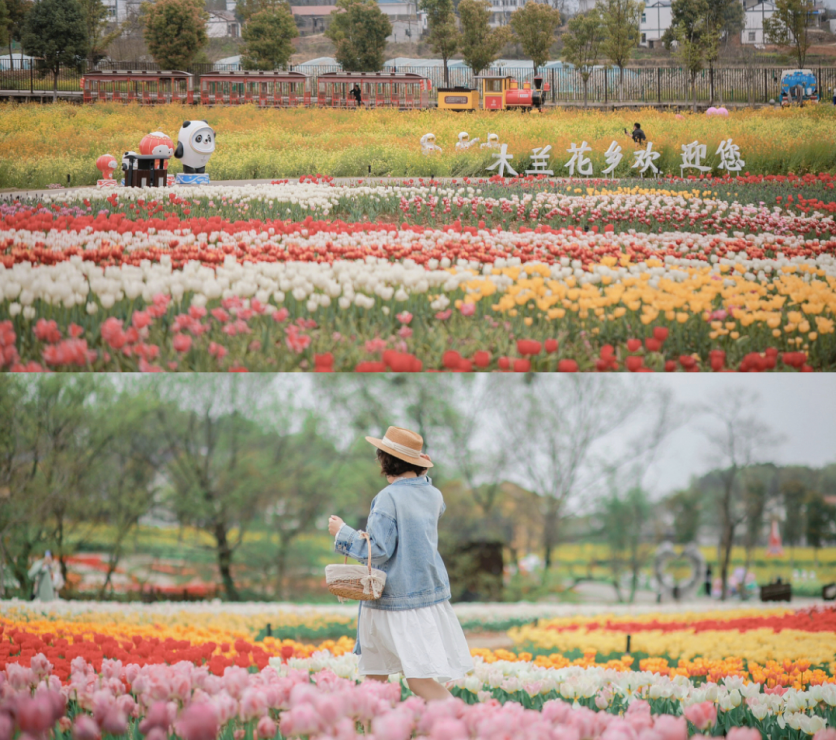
{"x": 411, "y": 629}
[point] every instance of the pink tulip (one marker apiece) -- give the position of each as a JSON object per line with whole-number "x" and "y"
{"x": 35, "y": 716}
{"x": 301, "y": 720}
{"x": 827, "y": 734}
{"x": 85, "y": 728}
{"x": 702, "y": 716}
{"x": 395, "y": 725}
{"x": 266, "y": 728}
{"x": 7, "y": 727}
{"x": 743, "y": 733}
{"x": 40, "y": 665}
{"x": 253, "y": 705}
{"x": 198, "y": 722}
{"x": 115, "y": 722}
{"x": 157, "y": 733}
{"x": 157, "y": 716}
{"x": 449, "y": 729}
{"x": 468, "y": 309}
{"x": 671, "y": 728}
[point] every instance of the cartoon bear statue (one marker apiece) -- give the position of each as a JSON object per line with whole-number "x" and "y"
{"x": 195, "y": 144}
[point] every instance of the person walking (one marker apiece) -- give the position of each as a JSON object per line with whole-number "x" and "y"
{"x": 412, "y": 628}
{"x": 358, "y": 95}
{"x": 41, "y": 576}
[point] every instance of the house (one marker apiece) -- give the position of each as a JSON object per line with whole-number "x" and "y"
{"x": 312, "y": 18}
{"x": 656, "y": 19}
{"x": 501, "y": 9}
{"x": 755, "y": 16}
{"x": 399, "y": 8}
{"x": 222, "y": 24}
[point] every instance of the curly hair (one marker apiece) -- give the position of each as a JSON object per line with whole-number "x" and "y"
{"x": 391, "y": 465}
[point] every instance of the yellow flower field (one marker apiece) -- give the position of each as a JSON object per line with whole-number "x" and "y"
{"x": 755, "y": 635}
{"x": 40, "y": 145}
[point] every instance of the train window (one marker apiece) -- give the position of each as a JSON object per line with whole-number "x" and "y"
{"x": 493, "y": 85}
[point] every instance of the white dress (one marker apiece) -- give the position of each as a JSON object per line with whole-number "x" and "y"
{"x": 418, "y": 643}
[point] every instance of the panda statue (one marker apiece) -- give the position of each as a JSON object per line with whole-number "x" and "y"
{"x": 195, "y": 144}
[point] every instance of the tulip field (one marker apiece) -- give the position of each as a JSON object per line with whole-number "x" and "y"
{"x": 523, "y": 274}
{"x": 100, "y": 670}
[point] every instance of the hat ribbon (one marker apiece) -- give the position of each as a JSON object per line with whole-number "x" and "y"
{"x": 403, "y": 449}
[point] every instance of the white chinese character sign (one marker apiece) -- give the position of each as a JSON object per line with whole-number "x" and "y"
{"x": 692, "y": 156}
{"x": 612, "y": 157}
{"x": 503, "y": 161}
{"x": 729, "y": 157}
{"x": 584, "y": 164}
{"x": 644, "y": 160}
{"x": 540, "y": 160}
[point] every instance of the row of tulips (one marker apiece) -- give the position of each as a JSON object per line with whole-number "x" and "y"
{"x": 320, "y": 697}
{"x": 795, "y": 639}
{"x": 131, "y": 291}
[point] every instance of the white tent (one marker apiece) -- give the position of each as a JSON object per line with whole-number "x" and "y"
{"x": 21, "y": 61}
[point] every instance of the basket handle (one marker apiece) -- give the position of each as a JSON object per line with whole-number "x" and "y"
{"x": 369, "y": 540}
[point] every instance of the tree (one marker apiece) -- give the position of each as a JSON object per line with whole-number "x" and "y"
{"x": 96, "y": 21}
{"x": 535, "y": 25}
{"x": 552, "y": 430}
{"x": 55, "y": 34}
{"x": 359, "y": 33}
{"x": 692, "y": 37}
{"x": 624, "y": 523}
{"x": 443, "y": 36}
{"x": 267, "y": 39}
{"x": 794, "y": 493}
{"x": 223, "y": 457}
{"x": 787, "y": 27}
{"x": 582, "y": 45}
{"x": 17, "y": 10}
{"x": 480, "y": 43}
{"x": 5, "y": 23}
{"x": 175, "y": 31}
{"x": 621, "y": 20}
{"x": 685, "y": 507}
{"x": 726, "y": 18}
{"x": 821, "y": 518}
{"x": 759, "y": 484}
{"x": 738, "y": 438}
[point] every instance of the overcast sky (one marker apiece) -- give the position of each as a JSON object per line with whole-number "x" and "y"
{"x": 802, "y": 408}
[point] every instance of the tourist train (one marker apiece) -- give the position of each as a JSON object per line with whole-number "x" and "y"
{"x": 292, "y": 89}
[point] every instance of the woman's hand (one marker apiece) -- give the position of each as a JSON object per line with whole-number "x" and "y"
{"x": 334, "y": 524}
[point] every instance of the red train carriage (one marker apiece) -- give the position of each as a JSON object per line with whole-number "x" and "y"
{"x": 402, "y": 90}
{"x": 141, "y": 86}
{"x": 272, "y": 89}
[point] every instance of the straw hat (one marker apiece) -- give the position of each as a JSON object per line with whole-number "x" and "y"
{"x": 403, "y": 444}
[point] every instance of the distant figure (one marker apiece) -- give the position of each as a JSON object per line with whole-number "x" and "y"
{"x": 358, "y": 95}
{"x": 708, "y": 580}
{"x": 637, "y": 134}
{"x": 41, "y": 575}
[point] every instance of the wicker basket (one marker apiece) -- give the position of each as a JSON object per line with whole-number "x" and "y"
{"x": 356, "y": 582}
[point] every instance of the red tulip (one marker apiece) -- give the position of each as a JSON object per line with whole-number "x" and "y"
{"x": 652, "y": 345}
{"x": 521, "y": 366}
{"x": 670, "y": 366}
{"x": 451, "y": 359}
{"x": 551, "y": 346}
{"x": 481, "y": 358}
{"x": 504, "y": 363}
{"x": 634, "y": 363}
{"x": 528, "y": 347}
{"x": 660, "y": 333}
{"x": 567, "y": 366}
{"x": 634, "y": 345}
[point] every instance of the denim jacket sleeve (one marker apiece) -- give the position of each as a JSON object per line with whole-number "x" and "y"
{"x": 382, "y": 529}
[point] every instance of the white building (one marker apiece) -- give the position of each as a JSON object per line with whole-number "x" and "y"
{"x": 501, "y": 9}
{"x": 222, "y": 24}
{"x": 755, "y": 16}
{"x": 399, "y": 8}
{"x": 656, "y": 19}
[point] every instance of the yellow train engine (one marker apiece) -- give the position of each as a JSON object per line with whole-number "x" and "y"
{"x": 497, "y": 92}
